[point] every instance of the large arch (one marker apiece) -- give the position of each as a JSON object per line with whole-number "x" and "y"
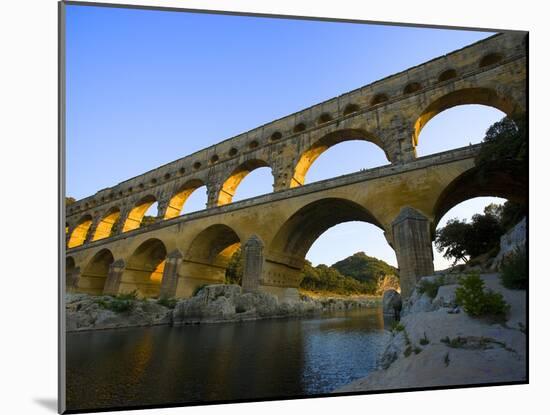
{"x": 79, "y": 233}
{"x": 133, "y": 221}
{"x": 105, "y": 225}
{"x": 144, "y": 269}
{"x": 308, "y": 157}
{"x": 207, "y": 258}
{"x": 507, "y": 181}
{"x": 466, "y": 96}
{"x": 230, "y": 184}
{"x": 299, "y": 232}
{"x": 176, "y": 203}
{"x": 93, "y": 277}
{"x": 285, "y": 254}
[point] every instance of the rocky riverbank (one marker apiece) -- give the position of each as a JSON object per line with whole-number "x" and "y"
{"x": 212, "y": 304}
{"x": 437, "y": 343}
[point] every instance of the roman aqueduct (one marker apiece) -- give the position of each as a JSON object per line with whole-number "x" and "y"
{"x": 405, "y": 198}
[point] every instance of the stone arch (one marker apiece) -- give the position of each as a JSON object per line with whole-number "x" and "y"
{"x": 207, "y": 258}
{"x": 80, "y": 231}
{"x": 298, "y": 233}
{"x": 447, "y": 75}
{"x": 350, "y": 109}
{"x": 308, "y": 157}
{"x": 177, "y": 201}
{"x": 133, "y": 221}
{"x": 466, "y": 96}
{"x": 412, "y": 87}
{"x": 107, "y": 224}
{"x": 230, "y": 184}
{"x": 93, "y": 277}
{"x": 144, "y": 269}
{"x": 507, "y": 181}
{"x": 285, "y": 254}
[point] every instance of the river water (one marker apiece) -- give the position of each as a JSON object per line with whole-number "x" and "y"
{"x": 219, "y": 362}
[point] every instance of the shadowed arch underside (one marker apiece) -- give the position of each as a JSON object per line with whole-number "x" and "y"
{"x": 467, "y": 96}
{"x": 175, "y": 206}
{"x": 507, "y": 181}
{"x": 144, "y": 269}
{"x": 236, "y": 177}
{"x": 306, "y": 225}
{"x": 309, "y": 156}
{"x": 94, "y": 275}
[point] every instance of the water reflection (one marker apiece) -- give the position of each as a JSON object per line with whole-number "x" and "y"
{"x": 254, "y": 360}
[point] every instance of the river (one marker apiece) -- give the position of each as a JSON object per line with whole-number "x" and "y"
{"x": 219, "y": 362}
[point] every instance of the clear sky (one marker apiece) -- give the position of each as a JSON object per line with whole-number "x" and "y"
{"x": 147, "y": 87}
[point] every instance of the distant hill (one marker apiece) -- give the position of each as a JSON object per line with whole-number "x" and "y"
{"x": 364, "y": 268}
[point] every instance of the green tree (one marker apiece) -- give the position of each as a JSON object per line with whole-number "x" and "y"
{"x": 505, "y": 140}
{"x": 364, "y": 268}
{"x": 452, "y": 240}
{"x": 234, "y": 271}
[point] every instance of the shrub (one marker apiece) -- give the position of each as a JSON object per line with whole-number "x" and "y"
{"x": 133, "y": 295}
{"x": 424, "y": 340}
{"x": 478, "y": 302}
{"x": 514, "y": 270}
{"x": 431, "y": 287}
{"x": 167, "y": 302}
{"x": 120, "y": 305}
{"x": 396, "y": 326}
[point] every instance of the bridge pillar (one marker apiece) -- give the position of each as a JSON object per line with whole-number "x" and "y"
{"x": 413, "y": 247}
{"x": 170, "y": 275}
{"x": 163, "y": 205}
{"x": 92, "y": 230}
{"x": 212, "y": 194}
{"x": 253, "y": 259}
{"x": 114, "y": 277}
{"x": 72, "y": 278}
{"x": 122, "y": 220}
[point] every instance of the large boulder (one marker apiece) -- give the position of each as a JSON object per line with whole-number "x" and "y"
{"x": 392, "y": 303}
{"x": 515, "y": 238}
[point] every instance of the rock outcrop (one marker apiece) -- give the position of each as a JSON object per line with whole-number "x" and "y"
{"x": 515, "y": 238}
{"x": 212, "y": 304}
{"x": 437, "y": 344}
{"x": 85, "y": 312}
{"x": 392, "y": 303}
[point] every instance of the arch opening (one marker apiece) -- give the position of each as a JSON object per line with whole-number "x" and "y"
{"x": 356, "y": 158}
{"x": 144, "y": 269}
{"x": 107, "y": 225}
{"x": 300, "y": 238}
{"x": 469, "y": 96}
{"x": 255, "y": 183}
{"x": 92, "y": 280}
{"x": 209, "y": 256}
{"x": 80, "y": 232}
{"x": 181, "y": 198}
{"x": 135, "y": 217}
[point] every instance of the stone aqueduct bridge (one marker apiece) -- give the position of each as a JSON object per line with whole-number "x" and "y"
{"x": 405, "y": 198}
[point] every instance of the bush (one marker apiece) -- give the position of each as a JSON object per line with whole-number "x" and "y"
{"x": 478, "y": 302}
{"x": 431, "y": 287}
{"x": 167, "y": 302}
{"x": 514, "y": 270}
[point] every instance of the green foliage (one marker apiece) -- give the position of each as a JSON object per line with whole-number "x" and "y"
{"x": 120, "y": 303}
{"x": 234, "y": 271}
{"x": 324, "y": 278}
{"x": 451, "y": 240}
{"x": 513, "y": 271}
{"x": 477, "y": 301}
{"x": 364, "y": 268}
{"x": 505, "y": 140}
{"x": 167, "y": 302}
{"x": 397, "y": 327}
{"x": 431, "y": 287}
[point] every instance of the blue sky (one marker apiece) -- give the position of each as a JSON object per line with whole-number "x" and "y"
{"x": 147, "y": 87}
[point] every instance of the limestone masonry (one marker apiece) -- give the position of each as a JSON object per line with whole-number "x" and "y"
{"x": 406, "y": 198}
